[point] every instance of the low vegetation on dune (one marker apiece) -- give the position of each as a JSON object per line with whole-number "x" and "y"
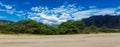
{"x": 69, "y": 27}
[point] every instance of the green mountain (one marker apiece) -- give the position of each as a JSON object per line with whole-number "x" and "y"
{"x": 110, "y": 21}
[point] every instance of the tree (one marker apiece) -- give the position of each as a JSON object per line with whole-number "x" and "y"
{"x": 91, "y": 29}
{"x": 26, "y": 26}
{"x": 2, "y": 28}
{"x": 71, "y": 27}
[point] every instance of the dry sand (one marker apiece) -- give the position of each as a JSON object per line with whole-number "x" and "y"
{"x": 84, "y": 40}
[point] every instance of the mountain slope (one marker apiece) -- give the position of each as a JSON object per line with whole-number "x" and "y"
{"x": 5, "y": 22}
{"x": 105, "y": 21}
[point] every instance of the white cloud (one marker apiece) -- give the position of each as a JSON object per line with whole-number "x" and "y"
{"x": 109, "y": 11}
{"x": 80, "y": 15}
{"x": 35, "y": 9}
{"x": 65, "y": 16}
{"x": 65, "y": 13}
{"x": 84, "y": 14}
{"x": 87, "y": 13}
{"x": 6, "y": 6}
{"x": 13, "y": 11}
{"x": 7, "y": 11}
{"x": 60, "y": 14}
{"x": 9, "y": 8}
{"x": 55, "y": 15}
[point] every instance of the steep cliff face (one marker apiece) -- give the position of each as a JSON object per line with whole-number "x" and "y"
{"x": 103, "y": 21}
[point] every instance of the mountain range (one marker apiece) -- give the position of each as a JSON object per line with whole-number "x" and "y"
{"x": 110, "y": 21}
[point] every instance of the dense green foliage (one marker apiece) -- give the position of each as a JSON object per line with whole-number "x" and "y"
{"x": 69, "y": 27}
{"x": 33, "y": 27}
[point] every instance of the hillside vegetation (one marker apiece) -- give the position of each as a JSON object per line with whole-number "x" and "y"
{"x": 94, "y": 24}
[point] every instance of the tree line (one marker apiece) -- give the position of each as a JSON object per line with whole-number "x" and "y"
{"x": 69, "y": 27}
{"x": 33, "y": 27}
{"x": 84, "y": 26}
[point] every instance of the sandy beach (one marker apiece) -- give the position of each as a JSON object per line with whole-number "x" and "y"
{"x": 79, "y": 40}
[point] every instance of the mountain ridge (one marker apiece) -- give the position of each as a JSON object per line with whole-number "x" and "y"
{"x": 110, "y": 21}
{"x": 5, "y": 22}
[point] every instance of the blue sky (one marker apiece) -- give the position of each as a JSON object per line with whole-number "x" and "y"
{"x": 56, "y": 11}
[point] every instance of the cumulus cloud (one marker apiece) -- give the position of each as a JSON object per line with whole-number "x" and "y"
{"x": 60, "y": 14}
{"x": 65, "y": 13}
{"x": 53, "y": 16}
